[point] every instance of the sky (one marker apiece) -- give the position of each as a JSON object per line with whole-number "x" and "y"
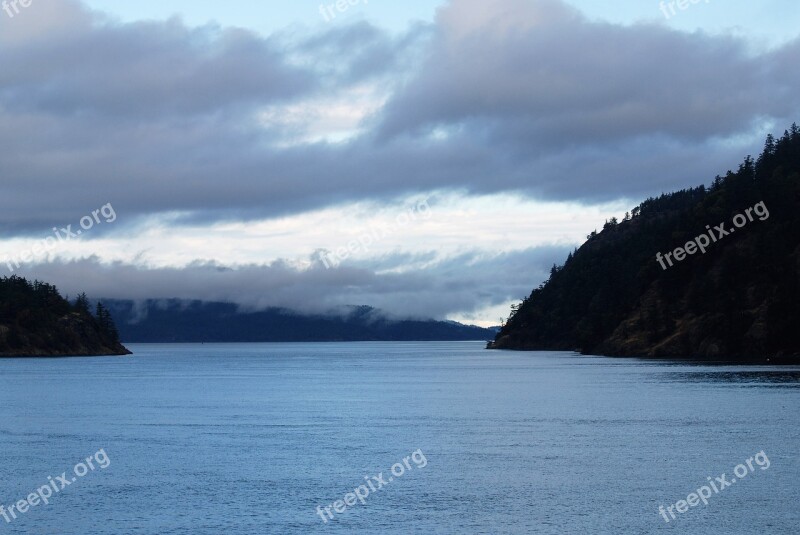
{"x": 431, "y": 159}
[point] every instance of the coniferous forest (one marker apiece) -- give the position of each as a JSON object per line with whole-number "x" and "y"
{"x": 739, "y": 300}
{"x": 35, "y": 320}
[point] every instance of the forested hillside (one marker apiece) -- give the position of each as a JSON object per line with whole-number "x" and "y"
{"x": 36, "y": 321}
{"x": 640, "y": 288}
{"x": 173, "y": 320}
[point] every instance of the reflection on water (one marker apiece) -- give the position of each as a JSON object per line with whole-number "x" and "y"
{"x": 787, "y": 378}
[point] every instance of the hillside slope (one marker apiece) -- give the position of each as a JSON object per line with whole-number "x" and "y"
{"x": 36, "y": 321}
{"x": 197, "y": 321}
{"x": 739, "y": 300}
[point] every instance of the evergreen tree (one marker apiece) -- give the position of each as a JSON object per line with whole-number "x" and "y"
{"x": 82, "y": 303}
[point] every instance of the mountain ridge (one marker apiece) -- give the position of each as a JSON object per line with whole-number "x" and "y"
{"x": 182, "y": 321}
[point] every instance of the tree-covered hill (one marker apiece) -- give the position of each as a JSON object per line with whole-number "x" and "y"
{"x": 621, "y": 294}
{"x": 36, "y": 321}
{"x": 174, "y": 320}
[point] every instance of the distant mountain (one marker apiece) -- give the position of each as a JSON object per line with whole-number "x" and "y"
{"x": 36, "y": 321}
{"x": 707, "y": 273}
{"x": 196, "y": 321}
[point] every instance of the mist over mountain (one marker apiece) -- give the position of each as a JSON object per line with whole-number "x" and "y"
{"x": 175, "y": 320}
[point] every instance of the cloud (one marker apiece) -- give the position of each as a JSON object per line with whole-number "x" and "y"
{"x": 147, "y": 72}
{"x": 444, "y": 286}
{"x": 280, "y": 136}
{"x": 540, "y": 73}
{"x": 525, "y": 96}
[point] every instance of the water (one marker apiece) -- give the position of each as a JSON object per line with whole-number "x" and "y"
{"x": 250, "y": 439}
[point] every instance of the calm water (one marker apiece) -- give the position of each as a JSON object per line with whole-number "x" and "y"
{"x": 250, "y": 439}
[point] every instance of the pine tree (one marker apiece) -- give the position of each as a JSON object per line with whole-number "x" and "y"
{"x": 82, "y": 303}
{"x": 106, "y": 323}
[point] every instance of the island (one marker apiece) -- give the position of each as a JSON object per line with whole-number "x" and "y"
{"x": 36, "y": 321}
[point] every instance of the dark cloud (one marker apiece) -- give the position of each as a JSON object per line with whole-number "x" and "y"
{"x": 518, "y": 95}
{"x": 147, "y": 72}
{"x": 541, "y": 74}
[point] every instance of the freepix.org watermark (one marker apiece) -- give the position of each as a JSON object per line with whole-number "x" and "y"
{"x": 11, "y": 7}
{"x": 718, "y": 484}
{"x": 374, "y": 484}
{"x": 420, "y": 210}
{"x": 62, "y": 235}
{"x": 715, "y": 234}
{"x": 328, "y": 11}
{"x": 55, "y": 485}
{"x": 668, "y": 8}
